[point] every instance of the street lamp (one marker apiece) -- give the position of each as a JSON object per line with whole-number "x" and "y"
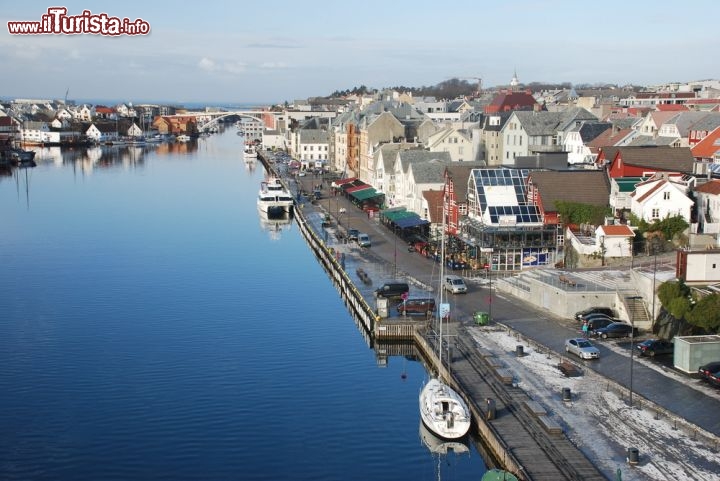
{"x": 395, "y": 253}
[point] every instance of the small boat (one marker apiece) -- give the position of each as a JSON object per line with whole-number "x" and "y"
{"x": 274, "y": 199}
{"x": 498, "y": 475}
{"x": 249, "y": 152}
{"x": 18, "y": 155}
{"x": 442, "y": 409}
{"x": 182, "y": 138}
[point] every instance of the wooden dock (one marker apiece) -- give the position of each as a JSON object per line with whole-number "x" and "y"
{"x": 518, "y": 432}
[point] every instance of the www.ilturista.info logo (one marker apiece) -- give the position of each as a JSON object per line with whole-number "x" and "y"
{"x": 57, "y": 21}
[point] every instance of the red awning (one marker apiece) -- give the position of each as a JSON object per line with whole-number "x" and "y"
{"x": 340, "y": 182}
{"x": 357, "y": 188}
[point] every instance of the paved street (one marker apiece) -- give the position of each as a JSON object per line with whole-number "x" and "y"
{"x": 389, "y": 255}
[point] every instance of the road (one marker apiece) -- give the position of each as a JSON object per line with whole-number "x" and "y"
{"x": 677, "y": 393}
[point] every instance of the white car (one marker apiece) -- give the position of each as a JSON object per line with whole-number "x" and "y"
{"x": 455, "y": 284}
{"x": 582, "y": 348}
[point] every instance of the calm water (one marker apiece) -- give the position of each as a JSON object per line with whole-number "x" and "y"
{"x": 151, "y": 329}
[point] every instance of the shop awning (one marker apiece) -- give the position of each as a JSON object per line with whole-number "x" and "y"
{"x": 356, "y": 188}
{"x": 411, "y": 222}
{"x": 395, "y": 214}
{"x": 352, "y": 184}
{"x": 366, "y": 194}
{"x": 338, "y": 183}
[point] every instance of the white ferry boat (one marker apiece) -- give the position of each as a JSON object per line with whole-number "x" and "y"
{"x": 274, "y": 199}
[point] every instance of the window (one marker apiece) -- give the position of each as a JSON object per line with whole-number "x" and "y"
{"x": 666, "y": 195}
{"x": 655, "y": 214}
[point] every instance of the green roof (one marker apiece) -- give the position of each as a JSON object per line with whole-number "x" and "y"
{"x": 627, "y": 184}
{"x": 365, "y": 194}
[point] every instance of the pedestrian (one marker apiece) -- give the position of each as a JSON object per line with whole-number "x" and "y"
{"x": 585, "y": 329}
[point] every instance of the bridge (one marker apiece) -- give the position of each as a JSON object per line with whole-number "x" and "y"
{"x": 205, "y": 120}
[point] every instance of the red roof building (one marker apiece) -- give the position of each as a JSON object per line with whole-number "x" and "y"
{"x": 509, "y": 100}
{"x": 708, "y": 147}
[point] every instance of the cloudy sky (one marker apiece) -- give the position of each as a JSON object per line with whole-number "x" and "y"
{"x": 263, "y": 52}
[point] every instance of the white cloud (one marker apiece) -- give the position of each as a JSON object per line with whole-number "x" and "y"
{"x": 206, "y": 64}
{"x": 273, "y": 65}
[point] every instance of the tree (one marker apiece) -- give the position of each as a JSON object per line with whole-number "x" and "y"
{"x": 579, "y": 213}
{"x": 706, "y": 313}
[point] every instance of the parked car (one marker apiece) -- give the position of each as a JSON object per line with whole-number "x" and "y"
{"x": 352, "y": 234}
{"x": 363, "y": 240}
{"x": 594, "y": 310}
{"x": 714, "y": 378}
{"x": 590, "y": 317}
{"x": 707, "y": 369}
{"x": 598, "y": 322}
{"x": 582, "y": 348}
{"x": 455, "y": 284}
{"x": 420, "y": 305}
{"x": 655, "y": 347}
{"x": 596, "y": 315}
{"x": 393, "y": 290}
{"x": 615, "y": 329}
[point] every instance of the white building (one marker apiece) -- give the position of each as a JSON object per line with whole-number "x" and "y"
{"x": 661, "y": 196}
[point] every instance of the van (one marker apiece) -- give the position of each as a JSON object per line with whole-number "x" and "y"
{"x": 455, "y": 284}
{"x": 363, "y": 240}
{"x": 393, "y": 290}
{"x": 420, "y": 305}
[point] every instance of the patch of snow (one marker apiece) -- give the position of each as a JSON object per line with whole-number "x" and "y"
{"x": 602, "y": 424}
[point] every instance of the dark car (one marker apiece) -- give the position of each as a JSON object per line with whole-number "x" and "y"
{"x": 393, "y": 290}
{"x": 598, "y": 322}
{"x": 714, "y": 378}
{"x": 655, "y": 347}
{"x": 615, "y": 329}
{"x": 594, "y": 310}
{"x": 421, "y": 305}
{"x": 707, "y": 369}
{"x": 590, "y": 317}
{"x": 352, "y": 234}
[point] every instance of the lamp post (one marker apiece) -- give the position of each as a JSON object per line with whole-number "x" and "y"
{"x": 395, "y": 253}
{"x": 632, "y": 348}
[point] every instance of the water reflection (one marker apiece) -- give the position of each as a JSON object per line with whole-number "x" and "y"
{"x": 275, "y": 225}
{"x": 438, "y": 445}
{"x": 88, "y": 159}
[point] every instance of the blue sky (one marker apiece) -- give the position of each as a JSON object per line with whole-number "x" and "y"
{"x": 263, "y": 52}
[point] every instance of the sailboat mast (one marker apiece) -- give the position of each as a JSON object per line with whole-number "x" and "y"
{"x": 440, "y": 283}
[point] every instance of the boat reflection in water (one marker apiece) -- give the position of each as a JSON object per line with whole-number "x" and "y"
{"x": 438, "y": 445}
{"x": 274, "y": 225}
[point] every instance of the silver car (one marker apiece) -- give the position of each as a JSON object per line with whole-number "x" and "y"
{"x": 582, "y": 348}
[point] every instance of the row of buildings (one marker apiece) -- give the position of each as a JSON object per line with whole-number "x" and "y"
{"x": 497, "y": 166}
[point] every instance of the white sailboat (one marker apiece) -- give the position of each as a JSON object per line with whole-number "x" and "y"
{"x": 442, "y": 409}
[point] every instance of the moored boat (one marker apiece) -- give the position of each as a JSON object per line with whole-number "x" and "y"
{"x": 442, "y": 409}
{"x": 249, "y": 152}
{"x": 274, "y": 199}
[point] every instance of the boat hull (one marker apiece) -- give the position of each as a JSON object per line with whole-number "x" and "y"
{"x": 443, "y": 411}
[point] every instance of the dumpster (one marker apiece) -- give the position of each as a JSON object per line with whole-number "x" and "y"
{"x": 481, "y": 318}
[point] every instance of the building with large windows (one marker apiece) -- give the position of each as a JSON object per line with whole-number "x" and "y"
{"x": 503, "y": 229}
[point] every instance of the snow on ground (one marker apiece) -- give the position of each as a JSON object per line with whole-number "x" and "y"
{"x": 602, "y": 424}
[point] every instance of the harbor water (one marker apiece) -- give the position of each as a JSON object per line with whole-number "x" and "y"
{"x": 153, "y": 328}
